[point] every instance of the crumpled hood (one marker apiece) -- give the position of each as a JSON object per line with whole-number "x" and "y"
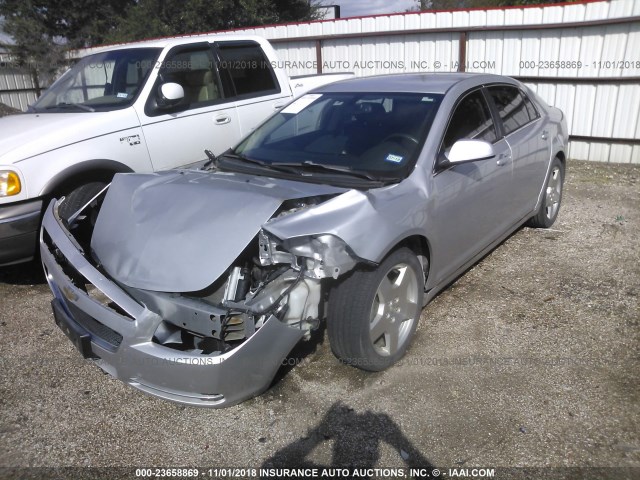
{"x": 178, "y": 231}
{"x": 26, "y": 135}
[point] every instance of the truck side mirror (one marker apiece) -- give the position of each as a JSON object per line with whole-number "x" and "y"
{"x": 170, "y": 94}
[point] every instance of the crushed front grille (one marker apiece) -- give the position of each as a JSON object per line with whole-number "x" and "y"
{"x": 97, "y": 329}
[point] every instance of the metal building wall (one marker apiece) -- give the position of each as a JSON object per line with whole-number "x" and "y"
{"x": 600, "y": 95}
{"x": 16, "y": 87}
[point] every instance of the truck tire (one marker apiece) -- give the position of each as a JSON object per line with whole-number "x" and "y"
{"x": 78, "y": 198}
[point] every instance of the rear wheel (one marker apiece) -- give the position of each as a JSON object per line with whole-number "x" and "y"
{"x": 373, "y": 314}
{"x": 550, "y": 206}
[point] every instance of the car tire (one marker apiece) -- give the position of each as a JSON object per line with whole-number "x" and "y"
{"x": 552, "y": 199}
{"x": 373, "y": 314}
{"x": 78, "y": 198}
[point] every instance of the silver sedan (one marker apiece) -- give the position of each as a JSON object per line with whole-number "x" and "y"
{"x": 355, "y": 204}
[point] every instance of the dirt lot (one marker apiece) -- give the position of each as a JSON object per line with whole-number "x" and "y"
{"x": 530, "y": 359}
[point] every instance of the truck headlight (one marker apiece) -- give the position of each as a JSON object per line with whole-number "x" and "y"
{"x": 9, "y": 183}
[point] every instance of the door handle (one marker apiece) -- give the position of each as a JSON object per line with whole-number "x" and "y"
{"x": 222, "y": 119}
{"x": 544, "y": 135}
{"x": 503, "y": 160}
{"x": 278, "y": 106}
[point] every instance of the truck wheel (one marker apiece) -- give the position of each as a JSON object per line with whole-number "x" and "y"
{"x": 550, "y": 207}
{"x": 78, "y": 198}
{"x": 373, "y": 314}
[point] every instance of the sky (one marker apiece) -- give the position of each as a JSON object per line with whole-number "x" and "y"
{"x": 357, "y": 8}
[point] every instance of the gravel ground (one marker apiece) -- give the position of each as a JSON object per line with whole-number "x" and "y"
{"x": 529, "y": 359}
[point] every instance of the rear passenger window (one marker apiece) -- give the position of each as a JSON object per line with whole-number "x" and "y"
{"x": 531, "y": 109}
{"x": 248, "y": 68}
{"x": 471, "y": 120}
{"x": 515, "y": 110}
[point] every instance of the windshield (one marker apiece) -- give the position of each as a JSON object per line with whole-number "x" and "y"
{"x": 376, "y": 135}
{"x": 100, "y": 82}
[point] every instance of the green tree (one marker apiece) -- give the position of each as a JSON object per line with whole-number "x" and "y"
{"x": 76, "y": 23}
{"x": 44, "y": 30}
{"x": 155, "y": 18}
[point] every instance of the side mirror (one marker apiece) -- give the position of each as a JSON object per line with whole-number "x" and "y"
{"x": 469, "y": 151}
{"x": 170, "y": 95}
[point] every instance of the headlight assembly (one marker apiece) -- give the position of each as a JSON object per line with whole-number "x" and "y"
{"x": 327, "y": 255}
{"x": 9, "y": 183}
{"x": 322, "y": 255}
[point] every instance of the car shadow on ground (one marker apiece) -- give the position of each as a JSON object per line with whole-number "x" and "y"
{"x": 301, "y": 351}
{"x": 30, "y": 273}
{"x": 353, "y": 439}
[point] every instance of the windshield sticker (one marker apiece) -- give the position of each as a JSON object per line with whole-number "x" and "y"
{"x": 122, "y": 95}
{"x": 302, "y": 102}
{"x": 394, "y": 158}
{"x": 427, "y": 99}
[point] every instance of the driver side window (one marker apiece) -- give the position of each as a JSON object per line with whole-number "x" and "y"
{"x": 194, "y": 71}
{"x": 470, "y": 120}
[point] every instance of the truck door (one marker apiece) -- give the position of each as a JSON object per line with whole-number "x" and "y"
{"x": 205, "y": 119}
{"x": 247, "y": 74}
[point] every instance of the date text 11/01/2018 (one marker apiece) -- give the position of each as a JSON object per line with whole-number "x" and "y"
{"x": 312, "y": 472}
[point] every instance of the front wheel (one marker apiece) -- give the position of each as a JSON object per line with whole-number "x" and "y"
{"x": 78, "y": 198}
{"x": 550, "y": 206}
{"x": 373, "y": 314}
{"x": 74, "y": 201}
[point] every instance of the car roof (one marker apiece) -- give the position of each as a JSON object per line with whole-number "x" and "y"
{"x": 413, "y": 82}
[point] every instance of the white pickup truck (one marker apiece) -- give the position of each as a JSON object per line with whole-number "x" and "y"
{"x": 139, "y": 107}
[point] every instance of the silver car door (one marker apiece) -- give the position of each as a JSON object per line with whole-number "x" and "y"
{"x": 469, "y": 201}
{"x": 525, "y": 132}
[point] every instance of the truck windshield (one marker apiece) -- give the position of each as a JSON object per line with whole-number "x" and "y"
{"x": 100, "y": 82}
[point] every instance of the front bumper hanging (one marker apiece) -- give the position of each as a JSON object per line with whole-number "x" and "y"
{"x": 116, "y": 332}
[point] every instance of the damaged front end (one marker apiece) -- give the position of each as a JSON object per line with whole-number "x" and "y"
{"x": 215, "y": 346}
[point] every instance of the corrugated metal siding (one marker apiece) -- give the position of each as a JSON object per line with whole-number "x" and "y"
{"x": 592, "y": 110}
{"x": 15, "y": 85}
{"x": 597, "y": 109}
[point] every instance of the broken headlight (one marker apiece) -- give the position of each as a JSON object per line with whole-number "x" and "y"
{"x": 323, "y": 255}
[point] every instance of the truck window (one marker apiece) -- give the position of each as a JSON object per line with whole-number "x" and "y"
{"x": 248, "y": 67}
{"x": 103, "y": 81}
{"x": 193, "y": 69}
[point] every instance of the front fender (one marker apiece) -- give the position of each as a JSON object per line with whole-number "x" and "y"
{"x": 83, "y": 169}
{"x": 371, "y": 223}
